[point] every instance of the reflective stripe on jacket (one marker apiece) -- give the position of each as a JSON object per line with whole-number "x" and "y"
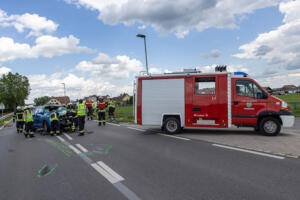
{"x": 101, "y": 106}
{"x": 53, "y": 116}
{"x": 81, "y": 110}
{"x": 20, "y": 116}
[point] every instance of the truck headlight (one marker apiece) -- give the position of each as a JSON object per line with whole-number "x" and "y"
{"x": 284, "y": 105}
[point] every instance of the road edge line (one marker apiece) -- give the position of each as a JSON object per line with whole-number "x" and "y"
{"x": 249, "y": 151}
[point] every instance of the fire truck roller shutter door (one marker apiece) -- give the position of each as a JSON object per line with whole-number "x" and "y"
{"x": 162, "y": 96}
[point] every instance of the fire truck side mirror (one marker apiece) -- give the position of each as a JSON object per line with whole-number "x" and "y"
{"x": 264, "y": 95}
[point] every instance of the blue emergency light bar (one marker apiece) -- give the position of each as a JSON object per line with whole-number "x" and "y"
{"x": 241, "y": 74}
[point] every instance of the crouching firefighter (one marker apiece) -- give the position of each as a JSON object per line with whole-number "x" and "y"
{"x": 29, "y": 129}
{"x": 19, "y": 119}
{"x": 101, "y": 107}
{"x": 54, "y": 121}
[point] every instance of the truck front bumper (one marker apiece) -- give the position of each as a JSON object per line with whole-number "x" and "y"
{"x": 287, "y": 118}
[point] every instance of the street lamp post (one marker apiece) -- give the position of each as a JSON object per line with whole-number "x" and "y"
{"x": 64, "y": 89}
{"x": 144, "y": 36}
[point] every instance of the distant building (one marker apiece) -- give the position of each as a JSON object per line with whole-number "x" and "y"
{"x": 122, "y": 98}
{"x": 268, "y": 89}
{"x": 287, "y": 87}
{"x": 59, "y": 100}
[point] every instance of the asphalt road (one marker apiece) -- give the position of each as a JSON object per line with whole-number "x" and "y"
{"x": 117, "y": 162}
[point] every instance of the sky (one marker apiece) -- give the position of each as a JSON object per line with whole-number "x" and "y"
{"x": 91, "y": 45}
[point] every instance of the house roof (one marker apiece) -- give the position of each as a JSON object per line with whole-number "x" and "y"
{"x": 63, "y": 99}
{"x": 288, "y": 86}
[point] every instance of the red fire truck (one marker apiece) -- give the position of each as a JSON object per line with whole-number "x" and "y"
{"x": 215, "y": 100}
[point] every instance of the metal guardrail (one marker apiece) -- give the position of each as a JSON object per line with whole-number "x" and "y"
{"x": 5, "y": 116}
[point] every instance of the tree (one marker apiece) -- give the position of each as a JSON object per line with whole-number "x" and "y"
{"x": 14, "y": 89}
{"x": 41, "y": 100}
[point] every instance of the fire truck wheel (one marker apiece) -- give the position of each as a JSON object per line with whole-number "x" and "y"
{"x": 172, "y": 125}
{"x": 270, "y": 126}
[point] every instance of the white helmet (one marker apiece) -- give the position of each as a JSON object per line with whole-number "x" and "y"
{"x": 18, "y": 107}
{"x": 30, "y": 106}
{"x": 25, "y": 107}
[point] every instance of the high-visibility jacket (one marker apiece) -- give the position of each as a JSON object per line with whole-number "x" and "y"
{"x": 20, "y": 116}
{"x": 81, "y": 110}
{"x": 88, "y": 104}
{"x": 101, "y": 106}
{"x": 53, "y": 117}
{"x": 111, "y": 104}
{"x": 28, "y": 116}
{"x": 93, "y": 105}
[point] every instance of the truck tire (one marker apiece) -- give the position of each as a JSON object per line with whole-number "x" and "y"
{"x": 270, "y": 126}
{"x": 172, "y": 125}
{"x": 46, "y": 128}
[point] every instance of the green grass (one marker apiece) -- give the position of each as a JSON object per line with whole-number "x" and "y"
{"x": 290, "y": 99}
{"x": 124, "y": 114}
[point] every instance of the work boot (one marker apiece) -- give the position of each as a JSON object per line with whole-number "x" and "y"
{"x": 31, "y": 136}
{"x": 99, "y": 124}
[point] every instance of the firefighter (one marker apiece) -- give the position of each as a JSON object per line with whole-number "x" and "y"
{"x": 101, "y": 107}
{"x": 89, "y": 107}
{"x": 81, "y": 112}
{"x": 19, "y": 119}
{"x": 29, "y": 129}
{"x": 54, "y": 121}
{"x": 111, "y": 110}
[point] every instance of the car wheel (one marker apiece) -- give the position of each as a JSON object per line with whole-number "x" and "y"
{"x": 172, "y": 125}
{"x": 270, "y": 126}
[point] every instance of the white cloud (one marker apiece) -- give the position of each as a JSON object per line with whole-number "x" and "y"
{"x": 4, "y": 70}
{"x": 213, "y": 54}
{"x": 36, "y": 24}
{"x": 173, "y": 16}
{"x": 102, "y": 75}
{"x": 120, "y": 67}
{"x": 280, "y": 47}
{"x": 46, "y": 46}
{"x": 76, "y": 86}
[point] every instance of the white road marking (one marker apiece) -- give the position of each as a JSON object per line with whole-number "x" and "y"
{"x": 60, "y": 138}
{"x": 113, "y": 124}
{"x": 104, "y": 173}
{"x": 74, "y": 149}
{"x": 172, "y": 136}
{"x": 110, "y": 171}
{"x": 81, "y": 148}
{"x": 249, "y": 151}
{"x": 67, "y": 136}
{"x": 137, "y": 129}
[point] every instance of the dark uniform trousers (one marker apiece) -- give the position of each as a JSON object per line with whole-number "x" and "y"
{"x": 55, "y": 127}
{"x": 81, "y": 122}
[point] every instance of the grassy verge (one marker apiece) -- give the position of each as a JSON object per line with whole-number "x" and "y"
{"x": 294, "y": 102}
{"x": 124, "y": 114}
{"x": 5, "y": 119}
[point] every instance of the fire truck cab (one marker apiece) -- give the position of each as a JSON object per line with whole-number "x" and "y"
{"x": 212, "y": 100}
